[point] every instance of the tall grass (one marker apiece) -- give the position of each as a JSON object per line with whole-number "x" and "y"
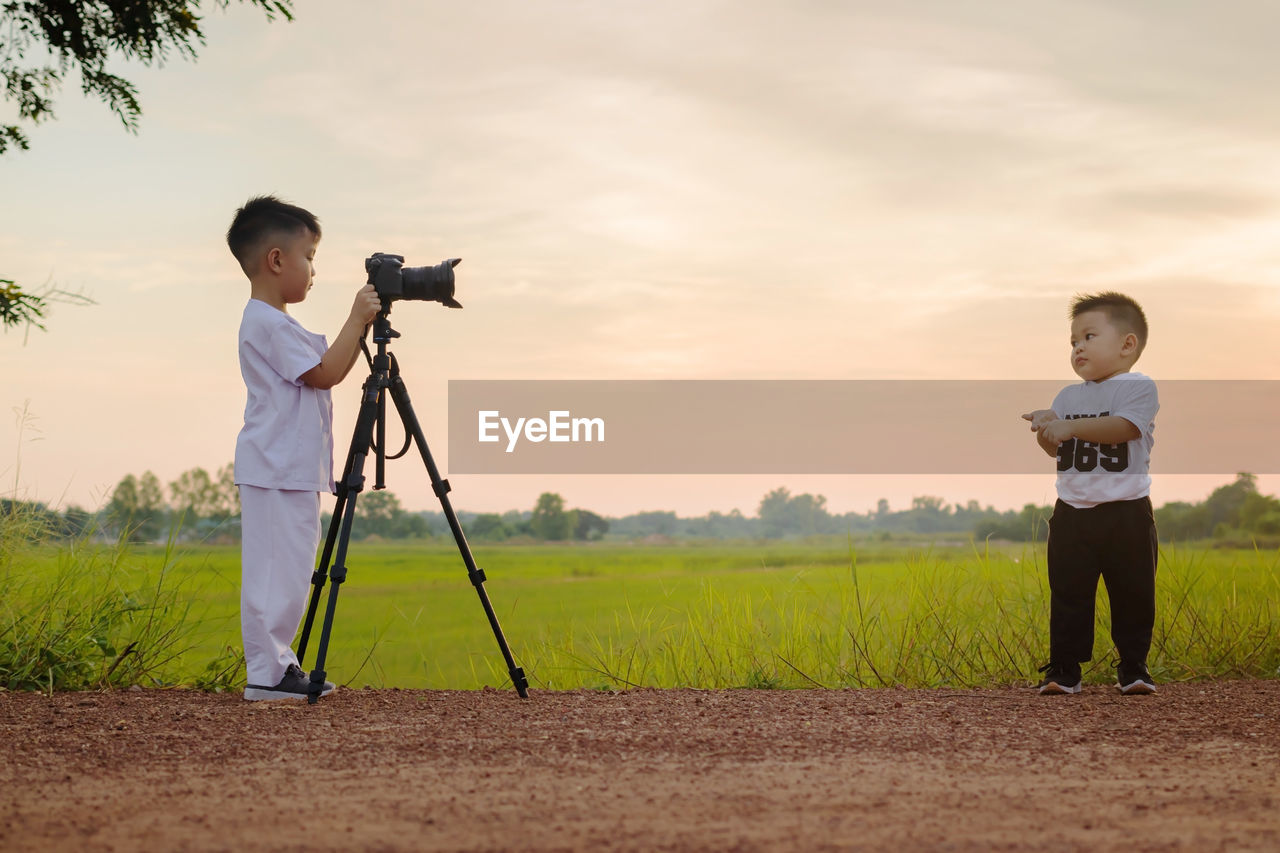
{"x": 768, "y": 615}
{"x": 930, "y": 621}
{"x": 1219, "y": 621}
{"x": 78, "y": 614}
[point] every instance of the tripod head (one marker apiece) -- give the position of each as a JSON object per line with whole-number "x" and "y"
{"x": 383, "y": 334}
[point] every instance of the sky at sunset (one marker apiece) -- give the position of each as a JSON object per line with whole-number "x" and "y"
{"x": 657, "y": 190}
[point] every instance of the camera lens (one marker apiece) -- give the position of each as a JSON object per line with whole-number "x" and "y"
{"x": 430, "y": 284}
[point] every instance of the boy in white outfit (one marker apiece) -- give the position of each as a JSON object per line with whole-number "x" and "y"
{"x": 284, "y": 453}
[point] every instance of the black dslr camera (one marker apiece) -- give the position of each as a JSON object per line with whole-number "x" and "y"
{"x": 393, "y": 280}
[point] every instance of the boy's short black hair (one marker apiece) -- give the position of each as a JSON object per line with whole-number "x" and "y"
{"x": 264, "y": 217}
{"x": 1121, "y": 310}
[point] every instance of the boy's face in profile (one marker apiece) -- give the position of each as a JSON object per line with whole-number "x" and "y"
{"x": 1100, "y": 350}
{"x": 296, "y": 271}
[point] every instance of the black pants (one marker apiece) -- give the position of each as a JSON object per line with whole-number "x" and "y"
{"x": 1117, "y": 542}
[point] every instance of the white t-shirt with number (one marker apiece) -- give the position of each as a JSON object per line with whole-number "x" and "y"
{"x": 1090, "y": 473}
{"x": 287, "y": 439}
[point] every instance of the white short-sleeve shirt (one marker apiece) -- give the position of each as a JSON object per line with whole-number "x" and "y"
{"x": 287, "y": 439}
{"x": 1090, "y": 473}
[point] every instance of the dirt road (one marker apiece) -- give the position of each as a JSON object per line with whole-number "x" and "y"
{"x": 1196, "y": 767}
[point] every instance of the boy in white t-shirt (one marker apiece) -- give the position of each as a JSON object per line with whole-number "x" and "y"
{"x": 1101, "y": 432}
{"x": 284, "y": 453}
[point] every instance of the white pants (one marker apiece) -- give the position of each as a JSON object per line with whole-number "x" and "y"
{"x": 279, "y": 533}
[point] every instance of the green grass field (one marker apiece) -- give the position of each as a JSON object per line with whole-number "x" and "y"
{"x": 793, "y": 614}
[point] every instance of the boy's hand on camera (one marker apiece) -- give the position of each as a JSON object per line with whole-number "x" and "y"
{"x": 1057, "y": 431}
{"x": 367, "y": 305}
{"x": 1039, "y": 418}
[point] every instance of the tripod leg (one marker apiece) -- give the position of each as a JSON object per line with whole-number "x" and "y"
{"x": 400, "y": 395}
{"x": 321, "y": 573}
{"x": 338, "y": 574}
{"x": 322, "y": 570}
{"x": 340, "y": 532}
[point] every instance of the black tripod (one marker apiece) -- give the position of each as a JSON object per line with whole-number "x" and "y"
{"x": 384, "y": 376}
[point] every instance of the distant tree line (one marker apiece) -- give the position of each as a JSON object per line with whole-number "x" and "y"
{"x": 1236, "y": 513}
{"x": 194, "y": 505}
{"x": 549, "y": 521}
{"x": 31, "y": 520}
{"x": 198, "y": 505}
{"x": 782, "y": 514}
{"x": 380, "y": 516}
{"x": 1233, "y": 514}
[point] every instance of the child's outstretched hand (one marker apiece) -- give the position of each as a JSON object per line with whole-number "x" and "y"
{"x": 1039, "y": 418}
{"x": 1056, "y": 431}
{"x": 366, "y": 306}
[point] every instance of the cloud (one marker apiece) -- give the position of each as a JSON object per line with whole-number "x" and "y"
{"x": 1187, "y": 202}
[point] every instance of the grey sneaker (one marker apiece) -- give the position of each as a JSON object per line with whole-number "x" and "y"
{"x": 1133, "y": 679}
{"x": 1060, "y": 678}
{"x": 294, "y": 685}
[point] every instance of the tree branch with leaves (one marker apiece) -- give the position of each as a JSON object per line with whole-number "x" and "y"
{"x": 84, "y": 35}
{"x": 17, "y": 307}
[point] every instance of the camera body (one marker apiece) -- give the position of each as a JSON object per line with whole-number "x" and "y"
{"x": 394, "y": 281}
